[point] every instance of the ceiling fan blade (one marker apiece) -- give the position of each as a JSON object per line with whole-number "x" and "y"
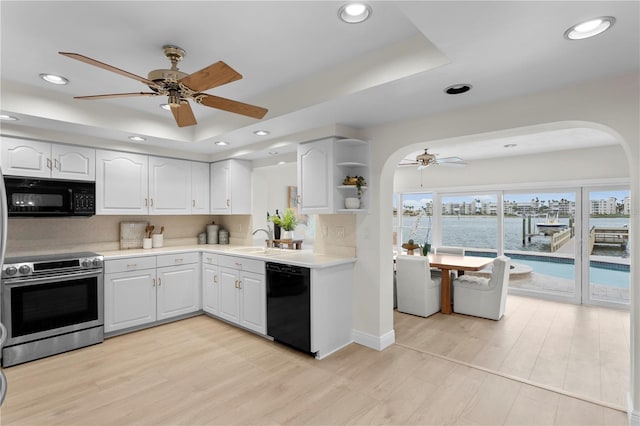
{"x": 230, "y": 105}
{"x": 107, "y": 67}
{"x": 449, "y": 160}
{"x": 452, "y": 164}
{"x": 183, "y": 114}
{"x": 212, "y": 76}
{"x": 116, "y": 95}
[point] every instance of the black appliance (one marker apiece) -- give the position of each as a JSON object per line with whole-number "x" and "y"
{"x": 289, "y": 305}
{"x": 51, "y": 304}
{"x": 49, "y": 197}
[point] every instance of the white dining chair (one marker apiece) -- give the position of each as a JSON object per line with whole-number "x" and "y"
{"x": 418, "y": 294}
{"x": 480, "y": 296}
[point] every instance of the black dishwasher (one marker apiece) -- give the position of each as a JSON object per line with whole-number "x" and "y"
{"x": 289, "y": 305}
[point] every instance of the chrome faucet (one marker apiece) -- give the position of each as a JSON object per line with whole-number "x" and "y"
{"x": 267, "y": 231}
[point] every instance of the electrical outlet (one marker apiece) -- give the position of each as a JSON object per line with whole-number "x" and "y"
{"x": 340, "y": 231}
{"x": 325, "y": 231}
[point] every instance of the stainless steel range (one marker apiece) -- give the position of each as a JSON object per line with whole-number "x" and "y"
{"x": 51, "y": 304}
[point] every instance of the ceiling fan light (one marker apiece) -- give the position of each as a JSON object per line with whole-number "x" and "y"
{"x": 54, "y": 79}
{"x": 589, "y": 28}
{"x": 354, "y": 13}
{"x": 165, "y": 107}
{"x": 221, "y": 143}
{"x": 261, "y": 132}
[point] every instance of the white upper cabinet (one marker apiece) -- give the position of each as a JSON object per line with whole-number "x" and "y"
{"x": 169, "y": 186}
{"x": 47, "y": 160}
{"x": 121, "y": 183}
{"x": 231, "y": 187}
{"x": 323, "y": 166}
{"x": 200, "y": 188}
{"x": 315, "y": 177}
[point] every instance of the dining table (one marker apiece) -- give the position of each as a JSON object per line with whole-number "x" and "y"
{"x": 449, "y": 262}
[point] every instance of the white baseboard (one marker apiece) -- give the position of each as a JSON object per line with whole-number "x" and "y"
{"x": 634, "y": 415}
{"x": 378, "y": 343}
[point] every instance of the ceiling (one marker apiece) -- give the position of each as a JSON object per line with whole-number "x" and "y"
{"x": 313, "y": 72}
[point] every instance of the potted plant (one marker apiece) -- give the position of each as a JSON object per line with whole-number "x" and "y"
{"x": 359, "y": 182}
{"x": 287, "y": 222}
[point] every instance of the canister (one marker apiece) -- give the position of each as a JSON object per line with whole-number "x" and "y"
{"x": 202, "y": 238}
{"x": 223, "y": 236}
{"x": 212, "y": 234}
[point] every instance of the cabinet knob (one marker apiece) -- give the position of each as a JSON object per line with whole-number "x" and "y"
{"x": 154, "y": 282}
{"x": 228, "y": 202}
{"x": 49, "y": 163}
{"x": 151, "y": 201}
{"x": 56, "y": 164}
{"x": 131, "y": 265}
{"x": 159, "y": 282}
{"x": 215, "y": 279}
{"x": 146, "y": 202}
{"x": 193, "y": 203}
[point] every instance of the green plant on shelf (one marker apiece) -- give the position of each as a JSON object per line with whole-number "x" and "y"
{"x": 358, "y": 181}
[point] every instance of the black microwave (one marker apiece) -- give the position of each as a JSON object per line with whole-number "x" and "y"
{"x": 49, "y": 197}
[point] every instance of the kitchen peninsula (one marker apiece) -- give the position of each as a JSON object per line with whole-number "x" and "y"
{"x": 145, "y": 288}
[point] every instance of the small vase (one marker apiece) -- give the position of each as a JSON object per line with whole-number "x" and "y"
{"x": 426, "y": 249}
{"x": 286, "y": 235}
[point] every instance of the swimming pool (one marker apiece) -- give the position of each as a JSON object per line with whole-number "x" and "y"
{"x": 602, "y": 273}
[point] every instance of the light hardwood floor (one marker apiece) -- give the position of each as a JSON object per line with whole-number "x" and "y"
{"x": 580, "y": 350}
{"x": 203, "y": 371}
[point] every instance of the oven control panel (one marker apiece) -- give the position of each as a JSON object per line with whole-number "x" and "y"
{"x": 47, "y": 265}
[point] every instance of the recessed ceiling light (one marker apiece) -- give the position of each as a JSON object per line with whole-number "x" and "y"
{"x": 354, "y": 13}
{"x": 280, "y": 163}
{"x": 137, "y": 138}
{"x": 166, "y": 107}
{"x": 457, "y": 89}
{"x": 511, "y": 145}
{"x": 589, "y": 28}
{"x": 221, "y": 143}
{"x": 8, "y": 117}
{"x": 261, "y": 132}
{"x": 54, "y": 79}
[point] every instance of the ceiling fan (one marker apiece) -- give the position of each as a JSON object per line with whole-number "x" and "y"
{"x": 426, "y": 159}
{"x": 180, "y": 87}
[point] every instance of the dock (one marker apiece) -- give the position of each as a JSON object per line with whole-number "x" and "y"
{"x": 607, "y": 236}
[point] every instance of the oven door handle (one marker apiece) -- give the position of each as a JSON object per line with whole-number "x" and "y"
{"x": 3, "y": 336}
{"x": 21, "y": 282}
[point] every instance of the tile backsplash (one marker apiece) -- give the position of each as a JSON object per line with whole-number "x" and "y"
{"x": 27, "y": 236}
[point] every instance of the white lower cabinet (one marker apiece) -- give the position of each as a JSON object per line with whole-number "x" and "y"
{"x": 143, "y": 290}
{"x": 210, "y": 284}
{"x": 242, "y": 292}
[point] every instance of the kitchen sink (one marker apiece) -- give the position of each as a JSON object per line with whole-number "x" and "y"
{"x": 266, "y": 251}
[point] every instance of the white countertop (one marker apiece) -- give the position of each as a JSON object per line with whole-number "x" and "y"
{"x": 290, "y": 257}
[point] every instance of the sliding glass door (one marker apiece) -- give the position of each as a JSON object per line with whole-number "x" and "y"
{"x": 606, "y": 245}
{"x": 541, "y": 238}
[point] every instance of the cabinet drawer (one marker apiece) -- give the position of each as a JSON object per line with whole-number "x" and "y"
{"x": 178, "y": 259}
{"x": 210, "y": 258}
{"x": 242, "y": 263}
{"x": 129, "y": 264}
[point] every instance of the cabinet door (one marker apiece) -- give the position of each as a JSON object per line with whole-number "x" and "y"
{"x": 178, "y": 291}
{"x": 240, "y": 186}
{"x": 253, "y": 302}
{"x": 220, "y": 190}
{"x": 199, "y": 188}
{"x": 121, "y": 183}
{"x": 315, "y": 177}
{"x": 169, "y": 186}
{"x": 229, "y": 295}
{"x": 73, "y": 162}
{"x": 210, "y": 289}
{"x": 26, "y": 158}
{"x": 130, "y": 299}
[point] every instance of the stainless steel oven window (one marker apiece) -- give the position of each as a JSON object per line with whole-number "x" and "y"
{"x": 42, "y": 307}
